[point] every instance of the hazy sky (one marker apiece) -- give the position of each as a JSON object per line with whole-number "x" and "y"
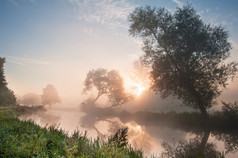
{"x": 58, "y": 41}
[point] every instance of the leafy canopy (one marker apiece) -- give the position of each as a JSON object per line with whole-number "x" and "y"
{"x": 50, "y": 95}
{"x": 185, "y": 54}
{"x": 107, "y": 83}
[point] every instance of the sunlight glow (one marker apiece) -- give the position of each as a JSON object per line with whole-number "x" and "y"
{"x": 138, "y": 127}
{"x": 135, "y": 89}
{"x": 138, "y": 89}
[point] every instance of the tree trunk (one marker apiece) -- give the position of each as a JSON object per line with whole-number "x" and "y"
{"x": 97, "y": 97}
{"x": 204, "y": 141}
{"x": 203, "y": 110}
{"x": 199, "y": 102}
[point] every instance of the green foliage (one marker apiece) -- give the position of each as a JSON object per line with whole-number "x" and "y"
{"x": 26, "y": 139}
{"x": 2, "y": 77}
{"x": 7, "y": 96}
{"x": 185, "y": 54}
{"x": 120, "y": 138}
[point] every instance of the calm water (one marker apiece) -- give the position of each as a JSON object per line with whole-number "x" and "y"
{"x": 144, "y": 134}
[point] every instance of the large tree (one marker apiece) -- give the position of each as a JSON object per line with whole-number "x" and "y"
{"x": 185, "y": 54}
{"x": 50, "y": 95}
{"x": 7, "y": 96}
{"x": 107, "y": 83}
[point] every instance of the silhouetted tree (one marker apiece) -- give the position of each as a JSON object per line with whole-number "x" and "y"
{"x": 7, "y": 96}
{"x": 3, "y": 81}
{"x": 230, "y": 115}
{"x": 185, "y": 54}
{"x": 230, "y": 108}
{"x": 50, "y": 95}
{"x": 30, "y": 99}
{"x": 107, "y": 83}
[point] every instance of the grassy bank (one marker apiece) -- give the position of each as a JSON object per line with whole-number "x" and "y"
{"x": 26, "y": 139}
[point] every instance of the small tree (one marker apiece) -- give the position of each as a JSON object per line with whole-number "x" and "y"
{"x": 7, "y": 96}
{"x": 30, "y": 99}
{"x": 185, "y": 54}
{"x": 107, "y": 83}
{"x": 50, "y": 95}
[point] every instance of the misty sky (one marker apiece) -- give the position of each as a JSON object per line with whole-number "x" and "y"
{"x": 58, "y": 41}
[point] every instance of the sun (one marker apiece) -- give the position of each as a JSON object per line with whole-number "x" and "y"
{"x": 136, "y": 89}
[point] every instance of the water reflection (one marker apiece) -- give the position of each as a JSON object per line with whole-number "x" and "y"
{"x": 154, "y": 134}
{"x": 43, "y": 117}
{"x": 230, "y": 141}
{"x": 194, "y": 147}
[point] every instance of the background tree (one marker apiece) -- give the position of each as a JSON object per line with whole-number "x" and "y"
{"x": 186, "y": 55}
{"x": 30, "y": 99}
{"x": 107, "y": 83}
{"x": 7, "y": 96}
{"x": 50, "y": 95}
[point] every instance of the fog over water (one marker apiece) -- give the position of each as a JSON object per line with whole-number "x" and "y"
{"x": 145, "y": 131}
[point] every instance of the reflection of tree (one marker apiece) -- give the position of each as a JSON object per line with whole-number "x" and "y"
{"x": 140, "y": 138}
{"x": 230, "y": 136}
{"x": 37, "y": 112}
{"x": 230, "y": 141}
{"x": 47, "y": 118}
{"x": 94, "y": 114}
{"x": 194, "y": 147}
{"x": 140, "y": 132}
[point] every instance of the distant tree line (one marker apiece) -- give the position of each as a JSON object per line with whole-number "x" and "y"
{"x": 49, "y": 97}
{"x": 7, "y": 97}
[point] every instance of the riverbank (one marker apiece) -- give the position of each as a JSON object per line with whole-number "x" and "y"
{"x": 26, "y": 139}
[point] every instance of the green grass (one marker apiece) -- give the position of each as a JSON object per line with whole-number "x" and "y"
{"x": 26, "y": 139}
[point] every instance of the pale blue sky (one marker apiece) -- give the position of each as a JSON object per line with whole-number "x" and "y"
{"x": 59, "y": 41}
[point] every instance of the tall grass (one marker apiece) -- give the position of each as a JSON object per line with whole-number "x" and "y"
{"x": 26, "y": 139}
